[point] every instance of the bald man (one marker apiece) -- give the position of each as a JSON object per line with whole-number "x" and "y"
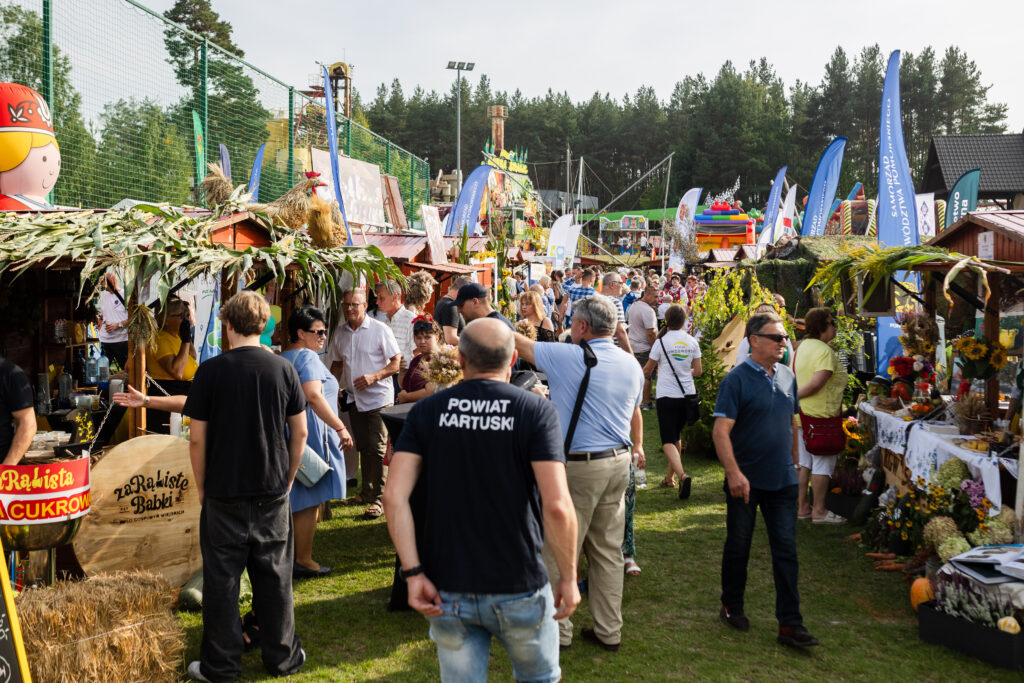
{"x": 497, "y": 450}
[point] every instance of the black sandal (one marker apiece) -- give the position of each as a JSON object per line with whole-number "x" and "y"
{"x": 684, "y": 488}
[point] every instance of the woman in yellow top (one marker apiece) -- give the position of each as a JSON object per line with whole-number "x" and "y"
{"x": 821, "y": 379}
{"x": 172, "y": 361}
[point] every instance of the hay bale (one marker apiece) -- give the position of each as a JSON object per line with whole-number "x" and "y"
{"x": 108, "y": 627}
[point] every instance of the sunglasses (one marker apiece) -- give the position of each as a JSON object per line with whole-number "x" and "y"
{"x": 319, "y": 333}
{"x": 777, "y": 338}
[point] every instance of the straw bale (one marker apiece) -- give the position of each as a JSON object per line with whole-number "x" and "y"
{"x": 108, "y": 627}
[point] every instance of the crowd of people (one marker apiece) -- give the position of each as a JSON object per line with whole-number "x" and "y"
{"x": 546, "y": 478}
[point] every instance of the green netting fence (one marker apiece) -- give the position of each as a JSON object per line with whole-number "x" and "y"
{"x": 122, "y": 82}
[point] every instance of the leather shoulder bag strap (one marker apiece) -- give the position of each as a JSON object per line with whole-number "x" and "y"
{"x": 668, "y": 359}
{"x": 589, "y": 360}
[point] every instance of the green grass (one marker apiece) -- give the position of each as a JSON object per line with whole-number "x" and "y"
{"x": 863, "y": 618}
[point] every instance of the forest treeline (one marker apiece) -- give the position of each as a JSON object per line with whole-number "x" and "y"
{"x": 739, "y": 123}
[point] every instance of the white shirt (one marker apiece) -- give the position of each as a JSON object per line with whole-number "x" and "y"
{"x": 401, "y": 327}
{"x": 112, "y": 311}
{"x": 366, "y": 349}
{"x": 641, "y": 318}
{"x": 682, "y": 349}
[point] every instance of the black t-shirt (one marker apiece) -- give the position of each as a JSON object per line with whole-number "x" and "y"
{"x": 15, "y": 395}
{"x": 446, "y": 313}
{"x": 483, "y": 528}
{"x": 499, "y": 316}
{"x": 246, "y": 396}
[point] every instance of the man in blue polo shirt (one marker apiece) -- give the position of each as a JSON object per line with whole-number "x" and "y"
{"x": 597, "y": 461}
{"x": 755, "y": 436}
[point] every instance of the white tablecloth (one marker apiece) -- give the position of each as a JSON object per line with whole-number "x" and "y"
{"x": 890, "y": 431}
{"x": 926, "y": 451}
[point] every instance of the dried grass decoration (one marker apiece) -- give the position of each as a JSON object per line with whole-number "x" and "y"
{"x": 443, "y": 366}
{"x": 216, "y": 187}
{"x": 109, "y": 627}
{"x": 526, "y": 328}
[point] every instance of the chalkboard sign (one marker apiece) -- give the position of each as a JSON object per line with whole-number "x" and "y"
{"x": 13, "y": 663}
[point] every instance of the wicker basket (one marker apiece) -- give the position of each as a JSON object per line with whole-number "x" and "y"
{"x": 970, "y": 426}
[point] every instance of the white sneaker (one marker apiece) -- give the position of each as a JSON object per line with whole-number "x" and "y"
{"x": 194, "y": 673}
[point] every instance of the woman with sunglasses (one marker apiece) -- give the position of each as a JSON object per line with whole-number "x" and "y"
{"x": 426, "y": 335}
{"x": 307, "y": 331}
{"x": 821, "y": 379}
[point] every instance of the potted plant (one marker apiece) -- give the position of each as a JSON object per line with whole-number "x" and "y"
{"x": 970, "y": 619}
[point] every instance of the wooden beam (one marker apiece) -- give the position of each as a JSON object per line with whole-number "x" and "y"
{"x": 991, "y": 323}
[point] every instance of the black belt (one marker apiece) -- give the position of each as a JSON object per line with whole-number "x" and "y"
{"x": 596, "y": 455}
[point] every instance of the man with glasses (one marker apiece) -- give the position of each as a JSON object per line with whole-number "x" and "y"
{"x": 364, "y": 352}
{"x": 755, "y": 435}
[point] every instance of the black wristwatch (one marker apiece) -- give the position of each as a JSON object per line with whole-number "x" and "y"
{"x": 406, "y": 573}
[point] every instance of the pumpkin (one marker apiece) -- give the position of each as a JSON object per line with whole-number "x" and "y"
{"x": 1009, "y": 625}
{"x": 920, "y": 591}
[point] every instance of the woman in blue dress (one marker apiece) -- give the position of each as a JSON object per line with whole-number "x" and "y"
{"x": 307, "y": 331}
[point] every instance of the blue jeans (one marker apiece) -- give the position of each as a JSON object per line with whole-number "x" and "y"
{"x": 779, "y": 511}
{"x": 523, "y": 622}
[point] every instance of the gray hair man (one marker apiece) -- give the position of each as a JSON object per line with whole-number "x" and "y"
{"x": 495, "y": 449}
{"x": 755, "y": 436}
{"x": 608, "y": 427}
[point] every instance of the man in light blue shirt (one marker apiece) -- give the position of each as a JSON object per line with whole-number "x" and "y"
{"x": 597, "y": 462}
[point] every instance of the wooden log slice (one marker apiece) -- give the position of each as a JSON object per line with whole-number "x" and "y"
{"x": 145, "y": 511}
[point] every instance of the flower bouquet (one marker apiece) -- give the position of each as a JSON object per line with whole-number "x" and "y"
{"x": 907, "y": 371}
{"x": 443, "y": 368}
{"x": 979, "y": 358}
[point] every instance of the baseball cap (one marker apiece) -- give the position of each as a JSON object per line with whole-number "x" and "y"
{"x": 471, "y": 290}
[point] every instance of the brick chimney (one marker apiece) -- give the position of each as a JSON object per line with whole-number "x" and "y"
{"x": 498, "y": 114}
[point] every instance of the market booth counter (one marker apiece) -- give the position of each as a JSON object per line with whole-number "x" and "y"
{"x": 144, "y": 507}
{"x": 954, "y": 500}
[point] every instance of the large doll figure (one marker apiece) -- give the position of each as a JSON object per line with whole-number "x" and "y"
{"x": 29, "y": 157}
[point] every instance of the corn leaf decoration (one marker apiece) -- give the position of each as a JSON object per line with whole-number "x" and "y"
{"x": 877, "y": 264}
{"x": 150, "y": 241}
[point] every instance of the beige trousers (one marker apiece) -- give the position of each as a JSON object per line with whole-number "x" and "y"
{"x": 598, "y": 492}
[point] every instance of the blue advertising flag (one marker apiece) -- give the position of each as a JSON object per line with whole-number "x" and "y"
{"x": 897, "y": 206}
{"x": 332, "y": 147}
{"x": 225, "y": 160}
{"x": 771, "y": 211}
{"x": 963, "y": 198}
{"x": 254, "y": 175}
{"x": 467, "y": 205}
{"x": 897, "y": 210}
{"x": 823, "y": 188}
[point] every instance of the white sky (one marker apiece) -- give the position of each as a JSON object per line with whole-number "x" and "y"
{"x": 613, "y": 46}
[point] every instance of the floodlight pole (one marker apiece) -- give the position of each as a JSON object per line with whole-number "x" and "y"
{"x": 459, "y": 67}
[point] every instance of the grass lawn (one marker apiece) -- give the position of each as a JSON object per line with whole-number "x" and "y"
{"x": 863, "y": 618}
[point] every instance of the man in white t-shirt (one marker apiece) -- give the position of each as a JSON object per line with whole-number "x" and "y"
{"x": 399, "y": 319}
{"x": 643, "y": 329}
{"x": 113, "y": 322}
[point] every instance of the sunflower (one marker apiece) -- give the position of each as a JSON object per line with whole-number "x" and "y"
{"x": 975, "y": 351}
{"x": 998, "y": 358}
{"x": 927, "y": 346}
{"x": 962, "y": 343}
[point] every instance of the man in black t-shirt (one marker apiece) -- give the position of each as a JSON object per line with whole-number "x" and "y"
{"x": 492, "y": 456}
{"x": 248, "y": 431}
{"x": 446, "y": 313}
{"x": 17, "y": 414}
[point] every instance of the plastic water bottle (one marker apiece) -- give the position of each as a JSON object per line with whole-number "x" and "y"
{"x": 639, "y": 473}
{"x": 103, "y": 372}
{"x": 92, "y": 368}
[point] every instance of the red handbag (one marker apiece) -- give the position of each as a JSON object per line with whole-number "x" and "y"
{"x": 823, "y": 435}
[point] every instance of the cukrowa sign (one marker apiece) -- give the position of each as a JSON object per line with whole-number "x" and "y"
{"x": 38, "y": 494}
